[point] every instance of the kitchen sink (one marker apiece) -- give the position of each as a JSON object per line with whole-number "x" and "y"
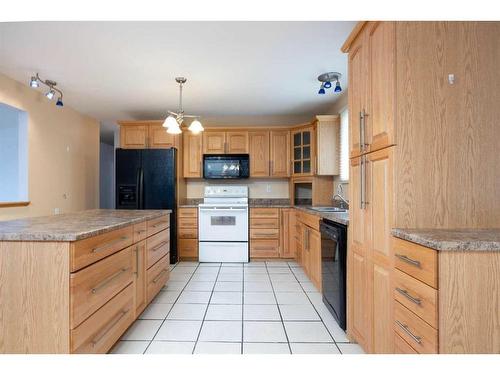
{"x": 328, "y": 209}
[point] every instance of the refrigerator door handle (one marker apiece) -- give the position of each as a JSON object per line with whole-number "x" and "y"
{"x": 141, "y": 188}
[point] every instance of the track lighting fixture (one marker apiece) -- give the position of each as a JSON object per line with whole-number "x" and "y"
{"x": 326, "y": 80}
{"x": 35, "y": 82}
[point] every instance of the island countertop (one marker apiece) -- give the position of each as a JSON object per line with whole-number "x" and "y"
{"x": 73, "y": 226}
{"x": 452, "y": 239}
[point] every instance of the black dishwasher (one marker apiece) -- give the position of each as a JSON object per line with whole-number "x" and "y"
{"x": 333, "y": 267}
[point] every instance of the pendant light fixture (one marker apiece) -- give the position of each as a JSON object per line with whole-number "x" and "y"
{"x": 326, "y": 80}
{"x": 174, "y": 120}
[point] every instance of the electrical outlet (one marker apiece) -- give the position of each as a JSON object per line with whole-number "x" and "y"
{"x": 57, "y": 211}
{"x": 268, "y": 188}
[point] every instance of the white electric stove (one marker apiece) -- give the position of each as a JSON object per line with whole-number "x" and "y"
{"x": 223, "y": 224}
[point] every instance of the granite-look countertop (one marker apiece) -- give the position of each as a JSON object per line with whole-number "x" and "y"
{"x": 73, "y": 226}
{"x": 337, "y": 217}
{"x": 452, "y": 239}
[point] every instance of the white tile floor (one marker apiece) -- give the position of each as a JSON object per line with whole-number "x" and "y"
{"x": 254, "y": 308}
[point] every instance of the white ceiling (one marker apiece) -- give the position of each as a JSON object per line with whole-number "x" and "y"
{"x": 238, "y": 73}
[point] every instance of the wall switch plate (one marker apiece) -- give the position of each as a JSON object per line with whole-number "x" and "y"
{"x": 57, "y": 211}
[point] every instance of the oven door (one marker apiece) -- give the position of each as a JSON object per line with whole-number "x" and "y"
{"x": 223, "y": 223}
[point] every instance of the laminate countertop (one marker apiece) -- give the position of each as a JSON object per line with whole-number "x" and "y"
{"x": 73, "y": 226}
{"x": 452, "y": 239}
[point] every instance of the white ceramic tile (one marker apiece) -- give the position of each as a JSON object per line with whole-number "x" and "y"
{"x": 221, "y": 331}
{"x": 207, "y": 271}
{"x": 182, "y": 311}
{"x": 174, "y": 285}
{"x": 351, "y": 349}
{"x": 257, "y": 277}
{"x": 258, "y": 286}
{"x": 315, "y": 297}
{"x": 276, "y": 264}
{"x": 287, "y": 286}
{"x": 259, "y": 298}
{"x": 204, "y": 277}
{"x": 224, "y": 312}
{"x": 142, "y": 330}
{"x": 215, "y": 264}
{"x": 308, "y": 286}
{"x": 263, "y": 332}
{"x": 261, "y": 312}
{"x": 299, "y": 312}
{"x": 166, "y": 347}
{"x": 293, "y": 264}
{"x": 255, "y": 270}
{"x": 234, "y": 265}
{"x": 130, "y": 347}
{"x": 265, "y": 348}
{"x": 230, "y": 270}
{"x": 180, "y": 276}
{"x": 185, "y": 263}
{"x": 230, "y": 277}
{"x": 255, "y": 264}
{"x": 279, "y": 271}
{"x": 185, "y": 270}
{"x": 227, "y": 298}
{"x": 292, "y": 298}
{"x": 177, "y": 330}
{"x": 200, "y": 286}
{"x": 301, "y": 276}
{"x": 282, "y": 278}
{"x": 307, "y": 332}
{"x": 194, "y": 297}
{"x": 314, "y": 348}
{"x": 229, "y": 286}
{"x": 333, "y": 327}
{"x": 217, "y": 348}
{"x": 156, "y": 311}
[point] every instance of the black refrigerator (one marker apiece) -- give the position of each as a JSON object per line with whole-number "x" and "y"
{"x": 146, "y": 179}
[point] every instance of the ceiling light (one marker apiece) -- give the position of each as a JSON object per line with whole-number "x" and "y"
{"x": 50, "y": 94}
{"x": 326, "y": 80}
{"x": 175, "y": 119}
{"x": 196, "y": 127}
{"x": 34, "y": 82}
{"x": 59, "y": 102}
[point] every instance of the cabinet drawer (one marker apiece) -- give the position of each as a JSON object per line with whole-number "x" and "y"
{"x": 156, "y": 225}
{"x": 417, "y": 333}
{"x": 187, "y": 232}
{"x": 95, "y": 285}
{"x": 157, "y": 247}
{"x": 140, "y": 231}
{"x": 188, "y": 248}
{"x": 418, "y": 297}
{"x": 103, "y": 328}
{"x": 264, "y": 223}
{"x": 187, "y": 212}
{"x": 401, "y": 346}
{"x": 158, "y": 276}
{"x": 264, "y": 212}
{"x": 90, "y": 250}
{"x": 309, "y": 220}
{"x": 187, "y": 222}
{"x": 264, "y": 233}
{"x": 417, "y": 261}
{"x": 264, "y": 248}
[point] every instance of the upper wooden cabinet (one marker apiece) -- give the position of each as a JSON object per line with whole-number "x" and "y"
{"x": 225, "y": 142}
{"x": 280, "y": 153}
{"x": 269, "y": 153}
{"x": 303, "y": 151}
{"x": 146, "y": 134}
{"x": 259, "y": 153}
{"x": 372, "y": 79}
{"x": 192, "y": 155}
{"x": 327, "y": 145}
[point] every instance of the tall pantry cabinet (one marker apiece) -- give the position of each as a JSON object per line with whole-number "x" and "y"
{"x": 371, "y": 108}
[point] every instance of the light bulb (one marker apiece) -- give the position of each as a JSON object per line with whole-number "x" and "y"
{"x": 170, "y": 121}
{"x": 337, "y": 87}
{"x": 196, "y": 127}
{"x": 327, "y": 85}
{"x": 34, "y": 82}
{"x": 174, "y": 129}
{"x": 50, "y": 94}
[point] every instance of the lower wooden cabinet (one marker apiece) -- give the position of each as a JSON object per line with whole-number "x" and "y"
{"x": 187, "y": 233}
{"x": 287, "y": 227}
{"x": 264, "y": 233}
{"x": 140, "y": 277}
{"x": 308, "y": 246}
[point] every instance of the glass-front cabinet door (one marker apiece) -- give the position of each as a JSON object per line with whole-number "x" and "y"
{"x": 302, "y": 151}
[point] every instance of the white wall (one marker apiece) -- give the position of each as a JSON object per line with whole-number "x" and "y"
{"x": 106, "y": 178}
{"x": 258, "y": 188}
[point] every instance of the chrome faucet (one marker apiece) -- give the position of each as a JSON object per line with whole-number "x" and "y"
{"x": 338, "y": 196}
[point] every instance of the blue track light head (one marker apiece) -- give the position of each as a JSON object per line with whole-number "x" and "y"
{"x": 59, "y": 102}
{"x": 321, "y": 90}
{"x": 327, "y": 84}
{"x": 337, "y": 87}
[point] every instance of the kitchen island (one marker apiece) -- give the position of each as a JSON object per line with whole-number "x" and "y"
{"x": 74, "y": 283}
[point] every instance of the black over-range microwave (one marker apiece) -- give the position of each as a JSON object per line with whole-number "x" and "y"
{"x": 226, "y": 166}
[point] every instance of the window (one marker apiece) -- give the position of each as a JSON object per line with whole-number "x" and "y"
{"x": 344, "y": 145}
{"x": 13, "y": 155}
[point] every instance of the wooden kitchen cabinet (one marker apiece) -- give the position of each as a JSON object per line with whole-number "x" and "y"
{"x": 225, "y": 142}
{"x": 264, "y": 233}
{"x": 159, "y": 138}
{"x": 303, "y": 151}
{"x": 140, "y": 277}
{"x": 327, "y": 145}
{"x": 259, "y": 153}
{"x": 134, "y": 136}
{"x": 192, "y": 155}
{"x": 146, "y": 134}
{"x": 308, "y": 248}
{"x": 237, "y": 142}
{"x": 279, "y": 153}
{"x": 187, "y": 233}
{"x": 287, "y": 227}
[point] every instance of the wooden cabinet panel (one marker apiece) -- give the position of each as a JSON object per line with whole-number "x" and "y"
{"x": 361, "y": 317}
{"x": 268, "y": 233}
{"x": 417, "y": 261}
{"x": 187, "y": 212}
{"x": 314, "y": 244}
{"x": 237, "y": 142}
{"x": 383, "y": 331}
{"x": 279, "y": 153}
{"x": 417, "y": 333}
{"x": 159, "y": 138}
{"x": 183, "y": 232}
{"x": 259, "y": 153}
{"x": 327, "y": 145}
{"x": 214, "y": 142}
{"x": 156, "y": 225}
{"x": 140, "y": 277}
{"x": 286, "y": 239}
{"x": 188, "y": 248}
{"x": 264, "y": 248}
{"x": 192, "y": 155}
{"x": 260, "y": 222}
{"x": 257, "y": 212}
{"x": 157, "y": 277}
{"x": 140, "y": 231}
{"x": 134, "y": 136}
{"x": 303, "y": 151}
{"x": 157, "y": 246}
{"x": 401, "y": 346}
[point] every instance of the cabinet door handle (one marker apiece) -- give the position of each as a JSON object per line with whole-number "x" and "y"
{"x": 405, "y": 293}
{"x": 405, "y": 259}
{"x": 109, "y": 244}
{"x": 155, "y": 280}
{"x": 104, "y": 283}
{"x": 159, "y": 246}
{"x": 115, "y": 321}
{"x": 405, "y": 328}
{"x": 137, "y": 262}
{"x": 362, "y": 131}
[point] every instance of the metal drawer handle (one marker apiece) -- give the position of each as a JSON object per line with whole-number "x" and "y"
{"x": 264, "y": 248}
{"x": 159, "y": 224}
{"x": 413, "y": 262}
{"x": 115, "y": 321}
{"x": 405, "y": 328}
{"x": 159, "y": 246}
{"x": 155, "y": 280}
{"x": 104, "y": 283}
{"x": 405, "y": 293}
{"x": 109, "y": 244}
